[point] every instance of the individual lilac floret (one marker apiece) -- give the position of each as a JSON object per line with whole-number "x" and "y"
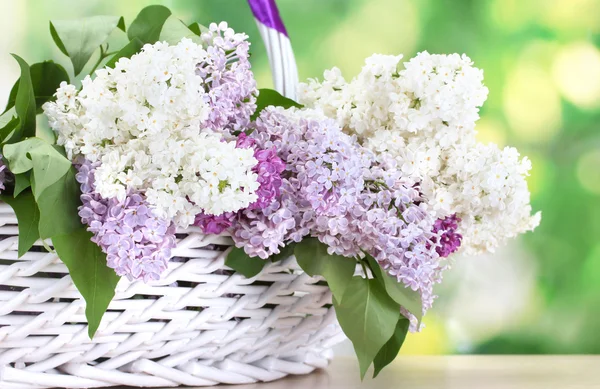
{"x": 137, "y": 244}
{"x": 230, "y": 85}
{"x": 449, "y": 239}
{"x": 322, "y": 177}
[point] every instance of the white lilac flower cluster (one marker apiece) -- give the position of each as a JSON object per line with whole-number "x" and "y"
{"x": 152, "y": 139}
{"x": 152, "y": 122}
{"x": 423, "y": 115}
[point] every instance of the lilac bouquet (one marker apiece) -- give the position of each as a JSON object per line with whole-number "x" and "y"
{"x": 373, "y": 184}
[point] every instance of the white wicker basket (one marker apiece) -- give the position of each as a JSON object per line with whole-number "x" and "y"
{"x": 201, "y": 324}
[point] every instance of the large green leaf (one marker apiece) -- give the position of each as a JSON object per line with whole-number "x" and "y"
{"x": 174, "y": 30}
{"x": 148, "y": 24}
{"x": 46, "y": 78}
{"x": 28, "y": 217}
{"x": 238, "y": 260}
{"x": 80, "y": 38}
{"x": 24, "y": 103}
{"x": 134, "y": 46}
{"x": 48, "y": 167}
{"x": 390, "y": 350}
{"x": 268, "y": 97}
{"x": 16, "y": 154}
{"x": 408, "y": 298}
{"x": 58, "y": 207}
{"x": 87, "y": 266}
{"x": 368, "y": 317}
{"x": 337, "y": 270}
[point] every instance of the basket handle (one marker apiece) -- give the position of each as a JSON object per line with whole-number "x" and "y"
{"x": 278, "y": 45}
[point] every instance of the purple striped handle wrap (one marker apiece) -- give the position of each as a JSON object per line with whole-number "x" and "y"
{"x": 266, "y": 12}
{"x": 277, "y": 43}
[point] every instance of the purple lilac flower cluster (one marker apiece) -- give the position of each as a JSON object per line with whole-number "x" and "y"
{"x": 268, "y": 170}
{"x": 390, "y": 223}
{"x": 231, "y": 88}
{"x": 334, "y": 190}
{"x": 449, "y": 240}
{"x": 137, "y": 244}
{"x": 323, "y": 175}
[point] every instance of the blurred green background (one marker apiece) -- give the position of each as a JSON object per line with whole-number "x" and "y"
{"x": 541, "y": 59}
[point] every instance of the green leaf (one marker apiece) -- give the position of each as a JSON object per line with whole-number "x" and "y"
{"x": 58, "y": 207}
{"x": 121, "y": 25}
{"x": 148, "y": 24}
{"x": 133, "y": 47}
{"x": 22, "y": 182}
{"x": 285, "y": 252}
{"x": 8, "y": 123}
{"x": 238, "y": 260}
{"x": 46, "y": 78}
{"x": 408, "y": 298}
{"x": 337, "y": 270}
{"x": 197, "y": 28}
{"x": 48, "y": 167}
{"x": 174, "y": 30}
{"x": 25, "y": 102}
{"x": 28, "y": 217}
{"x": 16, "y": 154}
{"x": 269, "y": 97}
{"x": 87, "y": 266}
{"x": 80, "y": 38}
{"x": 44, "y": 131}
{"x": 368, "y": 317}
{"x": 390, "y": 350}
{"x": 310, "y": 254}
{"x": 7, "y": 117}
{"x": 57, "y": 40}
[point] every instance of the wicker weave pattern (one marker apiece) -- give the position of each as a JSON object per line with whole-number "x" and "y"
{"x": 201, "y": 324}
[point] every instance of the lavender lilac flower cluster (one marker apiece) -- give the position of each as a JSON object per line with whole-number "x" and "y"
{"x": 333, "y": 189}
{"x": 323, "y": 175}
{"x": 137, "y": 244}
{"x": 390, "y": 222}
{"x": 230, "y": 84}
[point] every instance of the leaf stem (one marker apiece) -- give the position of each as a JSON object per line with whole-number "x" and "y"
{"x": 103, "y": 55}
{"x": 47, "y": 246}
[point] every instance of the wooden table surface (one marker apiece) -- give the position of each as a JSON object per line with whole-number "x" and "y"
{"x": 450, "y": 372}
